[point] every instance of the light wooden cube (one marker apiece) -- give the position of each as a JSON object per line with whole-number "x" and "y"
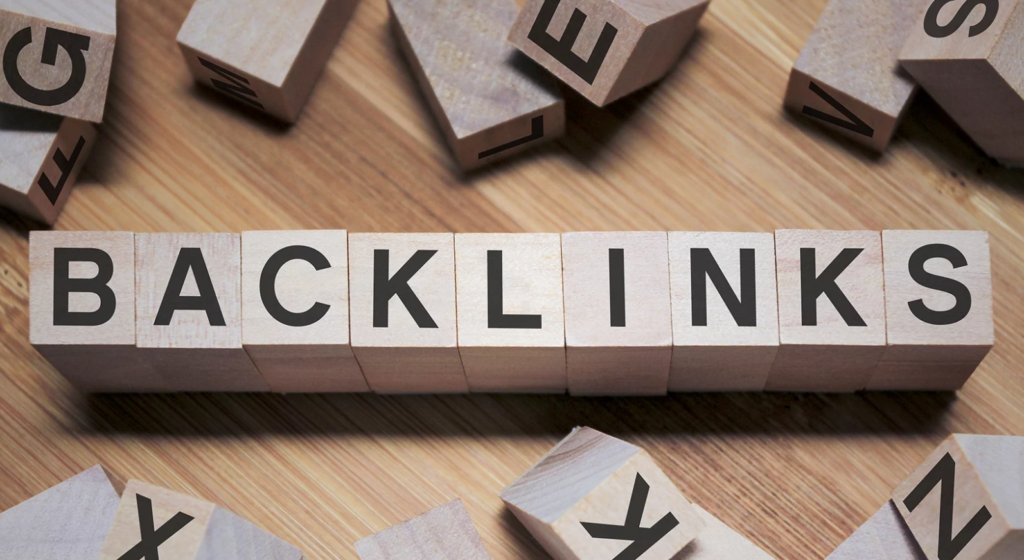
{"x": 511, "y": 324}
{"x": 443, "y": 533}
{"x": 593, "y": 495}
{"x": 725, "y": 315}
{"x": 188, "y": 305}
{"x": 831, "y": 310}
{"x": 966, "y": 501}
{"x": 938, "y": 307}
{"x": 883, "y": 537}
{"x": 606, "y": 49}
{"x": 62, "y": 53}
{"x": 618, "y": 320}
{"x": 403, "y": 312}
{"x": 264, "y": 54}
{"x": 68, "y": 521}
{"x": 717, "y": 541}
{"x": 488, "y": 104}
{"x": 154, "y": 521}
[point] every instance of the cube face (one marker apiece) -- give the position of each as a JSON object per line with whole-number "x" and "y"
{"x": 717, "y": 541}
{"x": 182, "y": 520}
{"x": 885, "y": 536}
{"x": 441, "y": 533}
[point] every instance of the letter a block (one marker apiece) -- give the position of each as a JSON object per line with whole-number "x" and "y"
{"x": 966, "y": 501}
{"x": 595, "y": 496}
{"x": 606, "y": 49}
{"x": 883, "y": 537}
{"x": 443, "y": 533}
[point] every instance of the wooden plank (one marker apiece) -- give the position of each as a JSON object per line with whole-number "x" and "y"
{"x": 885, "y": 536}
{"x": 441, "y": 533}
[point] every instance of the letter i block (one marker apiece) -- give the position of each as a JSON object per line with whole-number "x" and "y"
{"x": 966, "y": 501}
{"x": 295, "y": 311}
{"x": 442, "y": 533}
{"x": 938, "y": 307}
{"x": 595, "y": 496}
{"x": 883, "y": 537}
{"x": 154, "y": 522}
{"x": 606, "y": 49}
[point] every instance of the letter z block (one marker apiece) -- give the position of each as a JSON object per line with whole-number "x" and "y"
{"x": 595, "y": 496}
{"x": 883, "y": 537}
{"x": 442, "y": 533}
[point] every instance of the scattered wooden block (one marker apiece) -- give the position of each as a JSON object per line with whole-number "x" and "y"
{"x": 966, "y": 501}
{"x": 594, "y": 496}
{"x": 831, "y": 310}
{"x": 618, "y": 320}
{"x": 717, "y": 541}
{"x": 188, "y": 304}
{"x": 403, "y": 312}
{"x": 442, "y": 533}
{"x": 273, "y": 61}
{"x": 725, "y": 315}
{"x": 70, "y": 520}
{"x": 509, "y": 311}
{"x": 938, "y": 307}
{"x": 488, "y": 104}
{"x": 883, "y": 537}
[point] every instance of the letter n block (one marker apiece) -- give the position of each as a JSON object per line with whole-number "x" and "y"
{"x": 442, "y": 533}
{"x": 966, "y": 501}
{"x": 594, "y": 496}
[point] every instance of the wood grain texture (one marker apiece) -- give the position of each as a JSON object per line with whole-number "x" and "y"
{"x": 443, "y": 533}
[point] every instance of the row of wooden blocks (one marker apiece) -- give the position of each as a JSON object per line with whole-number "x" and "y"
{"x": 597, "y": 313}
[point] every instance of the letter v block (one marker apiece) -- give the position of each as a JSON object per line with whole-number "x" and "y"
{"x": 442, "y": 533}
{"x": 154, "y": 522}
{"x": 966, "y": 501}
{"x": 883, "y": 537}
{"x": 595, "y": 496}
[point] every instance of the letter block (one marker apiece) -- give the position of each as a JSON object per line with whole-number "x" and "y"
{"x": 831, "y": 310}
{"x": 717, "y": 541}
{"x": 442, "y": 533}
{"x": 595, "y": 496}
{"x": 270, "y": 63}
{"x": 725, "y": 313}
{"x": 188, "y": 305}
{"x": 606, "y": 49}
{"x": 488, "y": 104}
{"x": 57, "y": 55}
{"x": 403, "y": 312}
{"x": 938, "y": 307}
{"x": 154, "y": 522}
{"x": 70, "y": 520}
{"x": 966, "y": 501}
{"x": 883, "y": 537}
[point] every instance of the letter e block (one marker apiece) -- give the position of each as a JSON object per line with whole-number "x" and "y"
{"x": 442, "y": 533}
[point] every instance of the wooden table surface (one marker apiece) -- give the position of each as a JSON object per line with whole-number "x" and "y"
{"x": 707, "y": 149}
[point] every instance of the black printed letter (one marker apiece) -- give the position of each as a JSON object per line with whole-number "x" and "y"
{"x": 385, "y": 288}
{"x": 962, "y": 306}
{"x": 643, "y": 538}
{"x": 151, "y": 538}
{"x": 617, "y": 286}
{"x": 812, "y": 286}
{"x": 73, "y": 44}
{"x": 945, "y": 472}
{"x": 704, "y": 266}
{"x": 496, "y": 317}
{"x": 562, "y": 49}
{"x": 190, "y": 258}
{"x": 268, "y": 289}
{"x": 65, "y": 165}
{"x": 64, "y": 285}
{"x": 854, "y": 124}
{"x": 236, "y": 86}
{"x": 931, "y": 19}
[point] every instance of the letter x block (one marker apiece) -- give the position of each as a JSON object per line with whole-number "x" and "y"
{"x": 883, "y": 537}
{"x": 966, "y": 501}
{"x": 443, "y": 533}
{"x": 606, "y": 49}
{"x": 595, "y": 496}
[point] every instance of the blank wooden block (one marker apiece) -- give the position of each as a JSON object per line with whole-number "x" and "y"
{"x": 831, "y": 310}
{"x": 295, "y": 311}
{"x": 717, "y": 541}
{"x": 188, "y": 305}
{"x": 270, "y": 63}
{"x": 725, "y": 315}
{"x": 606, "y": 49}
{"x": 938, "y": 307}
{"x": 883, "y": 537}
{"x": 153, "y": 521}
{"x": 488, "y": 103}
{"x": 60, "y": 54}
{"x": 593, "y": 496}
{"x": 510, "y": 315}
{"x": 82, "y": 310}
{"x": 618, "y": 320}
{"x": 847, "y": 77}
{"x": 68, "y": 521}
{"x": 403, "y": 312}
{"x": 966, "y": 501}
{"x": 443, "y": 533}
{"x": 42, "y": 156}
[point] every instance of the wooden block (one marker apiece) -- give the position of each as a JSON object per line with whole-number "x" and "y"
{"x": 966, "y": 501}
{"x": 42, "y": 156}
{"x": 618, "y": 320}
{"x": 725, "y": 315}
{"x": 155, "y": 522}
{"x": 883, "y": 537}
{"x": 70, "y": 520}
{"x": 488, "y": 104}
{"x": 82, "y": 310}
{"x": 270, "y": 63}
{"x": 966, "y": 55}
{"x": 57, "y": 55}
{"x": 443, "y": 533}
{"x": 717, "y": 541}
{"x": 831, "y": 310}
{"x": 938, "y": 307}
{"x": 403, "y": 312}
{"x": 847, "y": 77}
{"x": 188, "y": 304}
{"x": 295, "y": 311}
{"x": 606, "y": 49}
